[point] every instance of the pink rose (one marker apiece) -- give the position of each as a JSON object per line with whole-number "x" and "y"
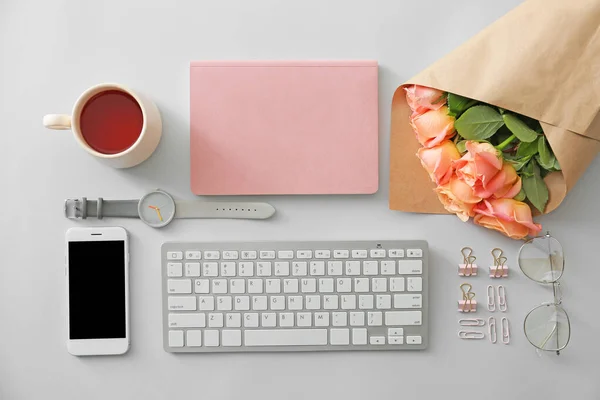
{"x": 458, "y": 198}
{"x": 510, "y": 217}
{"x": 480, "y": 164}
{"x": 433, "y": 126}
{"x": 421, "y": 99}
{"x": 506, "y": 184}
{"x": 438, "y": 161}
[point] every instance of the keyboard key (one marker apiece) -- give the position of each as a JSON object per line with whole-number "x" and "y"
{"x": 230, "y": 255}
{"x": 192, "y": 269}
{"x": 407, "y": 267}
{"x": 277, "y": 303}
{"x": 286, "y": 337}
{"x": 374, "y": 318}
{"x": 233, "y": 320}
{"x": 322, "y": 254}
{"x": 290, "y": 285}
{"x": 202, "y": 286}
{"x": 377, "y": 253}
{"x": 295, "y": 303}
{"x": 237, "y": 286}
{"x": 193, "y": 255}
{"x": 339, "y": 318}
{"x": 357, "y": 318}
{"x": 330, "y": 302}
{"x": 286, "y": 320}
{"x": 175, "y": 338}
{"x": 267, "y": 255}
{"x": 414, "y": 253}
{"x": 401, "y": 318}
{"x": 341, "y": 254}
{"x": 334, "y": 268}
{"x": 210, "y": 269}
{"x": 187, "y": 320}
{"x": 304, "y": 254}
{"x": 242, "y": 303}
{"x": 414, "y": 284}
{"x": 285, "y": 254}
{"x": 273, "y": 286}
{"x": 325, "y": 285}
{"x": 348, "y": 302}
{"x": 366, "y": 302}
{"x": 179, "y": 286}
{"x": 259, "y": 303}
{"x": 361, "y": 285}
{"x": 224, "y": 303}
{"x": 388, "y": 267}
{"x": 215, "y": 320}
{"x": 300, "y": 268}
{"x": 182, "y": 303}
{"x": 227, "y": 268}
{"x": 340, "y": 336}
{"x": 212, "y": 255}
{"x": 352, "y": 268}
{"x": 255, "y": 286}
{"x": 383, "y": 301}
{"x": 321, "y": 319}
{"x": 317, "y": 268}
{"x": 282, "y": 268}
{"x": 370, "y": 268}
{"x": 231, "y": 337}
{"x": 303, "y": 319}
{"x": 174, "y": 269}
{"x": 379, "y": 285}
{"x": 395, "y": 332}
{"x": 313, "y": 302}
{"x": 359, "y": 336}
{"x": 251, "y": 320}
{"x": 359, "y": 254}
{"x": 219, "y": 286}
{"x": 206, "y": 303}
{"x": 396, "y": 253}
{"x": 408, "y": 301}
{"x": 413, "y": 340}
{"x": 174, "y": 255}
{"x": 249, "y": 255}
{"x": 211, "y": 338}
{"x": 396, "y": 284}
{"x": 263, "y": 268}
{"x": 246, "y": 268}
{"x": 377, "y": 340}
{"x": 268, "y": 320}
{"x": 309, "y": 285}
{"x": 395, "y": 340}
{"x": 193, "y": 338}
{"x": 343, "y": 285}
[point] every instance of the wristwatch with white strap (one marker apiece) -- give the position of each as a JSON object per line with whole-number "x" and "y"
{"x": 158, "y": 208}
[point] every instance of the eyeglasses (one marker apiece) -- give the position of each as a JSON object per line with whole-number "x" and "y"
{"x": 546, "y": 326}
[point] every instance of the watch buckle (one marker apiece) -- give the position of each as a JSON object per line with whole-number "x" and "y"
{"x": 76, "y": 208}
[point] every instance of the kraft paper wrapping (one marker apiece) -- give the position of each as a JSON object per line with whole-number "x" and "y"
{"x": 541, "y": 60}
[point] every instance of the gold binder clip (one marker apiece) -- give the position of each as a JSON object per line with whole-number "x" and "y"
{"x": 467, "y": 304}
{"x": 499, "y": 269}
{"x": 468, "y": 267}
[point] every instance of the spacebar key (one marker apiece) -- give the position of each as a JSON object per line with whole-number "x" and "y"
{"x": 286, "y": 337}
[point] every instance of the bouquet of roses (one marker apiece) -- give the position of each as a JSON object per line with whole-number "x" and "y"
{"x": 484, "y": 160}
{"x": 505, "y": 124}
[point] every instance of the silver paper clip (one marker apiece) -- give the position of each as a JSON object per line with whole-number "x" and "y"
{"x": 471, "y": 322}
{"x": 492, "y": 329}
{"x": 505, "y": 330}
{"x": 468, "y": 267}
{"x": 491, "y": 299}
{"x": 502, "y": 306}
{"x": 471, "y": 335}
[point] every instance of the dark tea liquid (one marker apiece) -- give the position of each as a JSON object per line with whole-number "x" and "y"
{"x": 111, "y": 122}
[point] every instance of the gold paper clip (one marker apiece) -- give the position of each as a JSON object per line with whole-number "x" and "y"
{"x": 471, "y": 335}
{"x": 467, "y": 304}
{"x": 499, "y": 269}
{"x": 468, "y": 267}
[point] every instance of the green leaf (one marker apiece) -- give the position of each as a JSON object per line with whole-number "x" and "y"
{"x": 462, "y": 146}
{"x": 546, "y": 158}
{"x": 458, "y": 104}
{"x": 527, "y": 149}
{"x": 478, "y": 123}
{"x": 556, "y": 165}
{"x": 521, "y": 195}
{"x": 519, "y": 128}
{"x": 519, "y": 163}
{"x": 528, "y": 169}
{"x": 501, "y": 110}
{"x": 535, "y": 188}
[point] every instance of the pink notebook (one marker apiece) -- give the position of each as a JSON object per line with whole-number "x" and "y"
{"x": 283, "y": 127}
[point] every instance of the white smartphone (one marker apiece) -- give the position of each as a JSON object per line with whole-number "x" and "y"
{"x": 97, "y": 273}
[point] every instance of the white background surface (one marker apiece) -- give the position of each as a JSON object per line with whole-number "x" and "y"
{"x": 53, "y": 50}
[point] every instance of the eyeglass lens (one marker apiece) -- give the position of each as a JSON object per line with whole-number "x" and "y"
{"x": 542, "y": 259}
{"x": 547, "y": 327}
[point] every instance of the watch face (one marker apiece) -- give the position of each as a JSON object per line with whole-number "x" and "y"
{"x": 157, "y": 208}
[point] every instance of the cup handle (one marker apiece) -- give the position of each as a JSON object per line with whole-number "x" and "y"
{"x": 57, "y": 121}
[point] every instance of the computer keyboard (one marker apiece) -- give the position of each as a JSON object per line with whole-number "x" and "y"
{"x": 295, "y": 296}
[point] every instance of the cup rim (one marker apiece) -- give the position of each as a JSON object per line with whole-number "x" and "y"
{"x": 78, "y": 108}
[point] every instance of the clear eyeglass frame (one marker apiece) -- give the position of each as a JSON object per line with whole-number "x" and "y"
{"x": 547, "y": 326}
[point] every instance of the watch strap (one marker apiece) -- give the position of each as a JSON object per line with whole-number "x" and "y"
{"x": 83, "y": 208}
{"x": 210, "y": 209}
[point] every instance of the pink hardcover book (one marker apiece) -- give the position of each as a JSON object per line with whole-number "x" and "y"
{"x": 283, "y": 127}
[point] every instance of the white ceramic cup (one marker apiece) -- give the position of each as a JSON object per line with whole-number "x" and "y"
{"x": 138, "y": 152}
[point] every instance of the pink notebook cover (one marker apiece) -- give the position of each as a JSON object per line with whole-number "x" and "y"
{"x": 289, "y": 127}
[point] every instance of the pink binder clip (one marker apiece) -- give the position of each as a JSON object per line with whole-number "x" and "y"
{"x": 468, "y": 267}
{"x": 467, "y": 304}
{"x": 499, "y": 269}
